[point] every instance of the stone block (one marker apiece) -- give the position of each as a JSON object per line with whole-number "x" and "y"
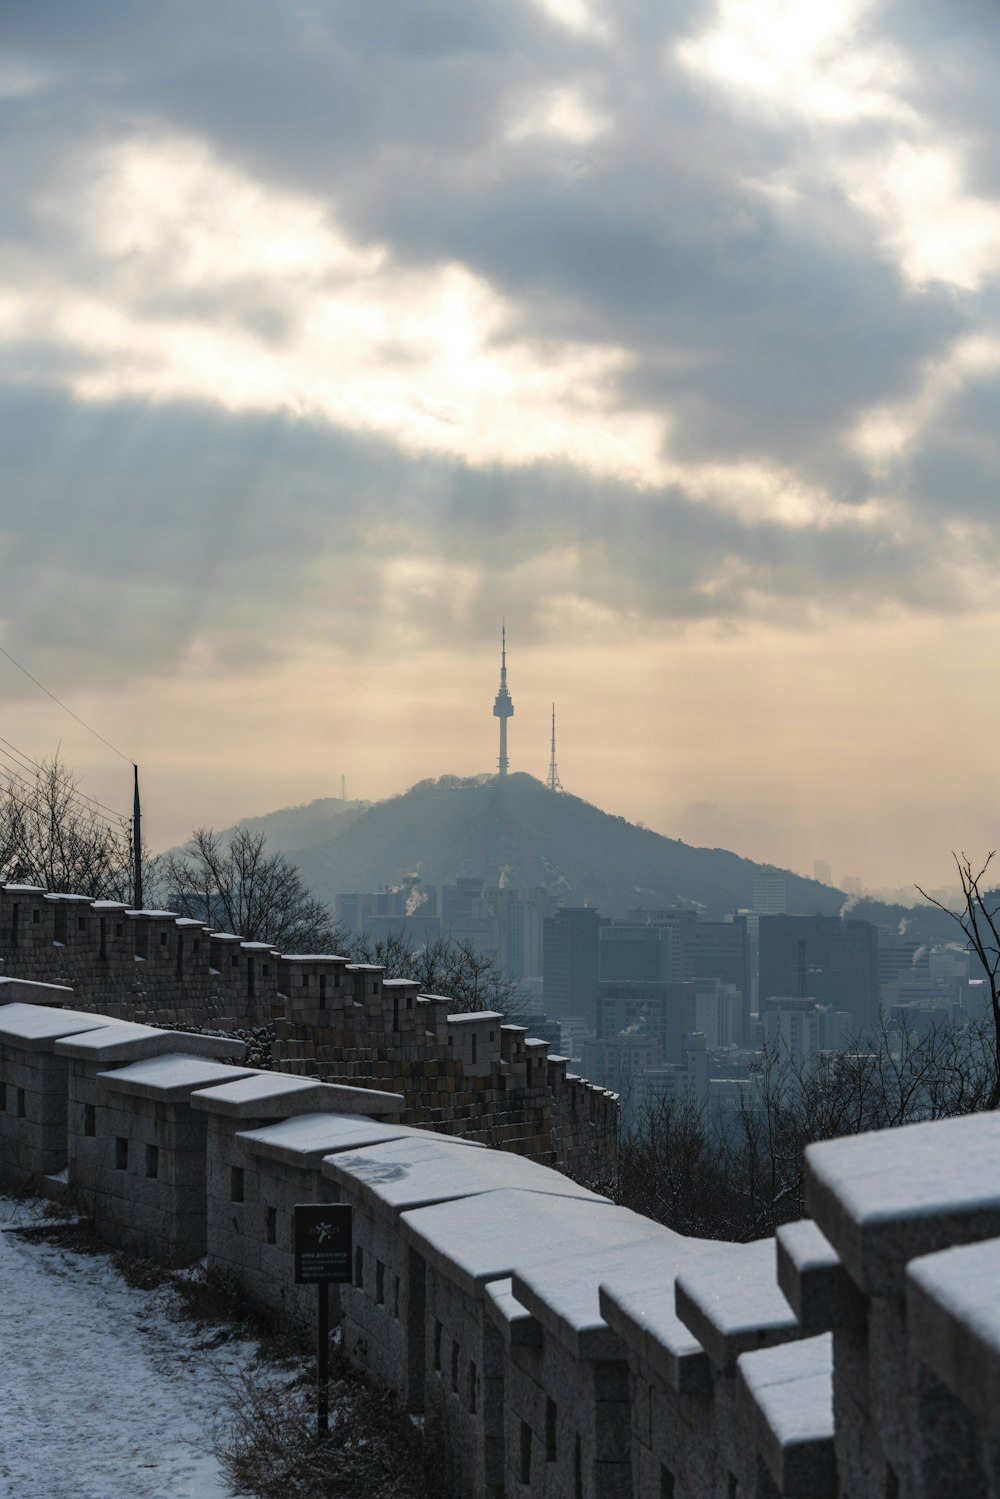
{"x": 813, "y": 1280}
{"x": 954, "y": 1324}
{"x": 785, "y": 1395}
{"x": 886, "y": 1198}
{"x": 730, "y": 1300}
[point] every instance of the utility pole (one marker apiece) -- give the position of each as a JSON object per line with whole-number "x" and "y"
{"x": 136, "y": 844}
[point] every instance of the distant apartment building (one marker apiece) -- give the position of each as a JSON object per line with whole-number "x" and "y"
{"x": 520, "y": 917}
{"x": 722, "y": 950}
{"x": 718, "y": 1012}
{"x": 410, "y": 911}
{"x": 356, "y": 912}
{"x": 467, "y": 915}
{"x": 792, "y": 1029}
{"x": 649, "y": 946}
{"x": 833, "y": 960}
{"x": 501, "y": 920}
{"x": 617, "y": 1063}
{"x": 539, "y": 1028}
{"x": 572, "y": 1036}
{"x": 838, "y": 1030}
{"x": 769, "y": 894}
{"x": 951, "y": 968}
{"x": 676, "y": 1083}
{"x": 823, "y": 871}
{"x": 673, "y": 946}
{"x": 665, "y": 1012}
{"x": 902, "y": 963}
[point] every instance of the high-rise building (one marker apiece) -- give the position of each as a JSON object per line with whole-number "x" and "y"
{"x": 828, "y": 959}
{"x": 467, "y": 914}
{"x": 793, "y": 1030}
{"x": 721, "y": 950}
{"x": 520, "y": 918}
{"x": 823, "y": 871}
{"x": 569, "y": 964}
{"x": 902, "y": 963}
{"x": 769, "y": 894}
{"x": 664, "y": 1011}
{"x": 410, "y": 913}
{"x": 719, "y": 1012}
{"x": 673, "y": 946}
{"x": 652, "y": 946}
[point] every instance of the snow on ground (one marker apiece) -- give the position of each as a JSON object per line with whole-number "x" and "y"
{"x": 102, "y": 1395}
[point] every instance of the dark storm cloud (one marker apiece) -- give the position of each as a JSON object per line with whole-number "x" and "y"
{"x": 765, "y": 326}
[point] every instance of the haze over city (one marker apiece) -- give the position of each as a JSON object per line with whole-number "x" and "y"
{"x": 333, "y": 335}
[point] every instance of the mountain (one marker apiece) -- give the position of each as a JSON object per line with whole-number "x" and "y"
{"x": 294, "y": 828}
{"x": 520, "y": 832}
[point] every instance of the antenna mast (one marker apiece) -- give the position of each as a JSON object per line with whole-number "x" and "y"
{"x": 554, "y": 782}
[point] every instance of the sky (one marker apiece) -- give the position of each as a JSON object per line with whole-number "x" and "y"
{"x": 334, "y": 332}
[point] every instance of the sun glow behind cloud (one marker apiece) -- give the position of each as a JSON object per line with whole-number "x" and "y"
{"x": 211, "y": 286}
{"x": 581, "y": 16}
{"x": 928, "y": 222}
{"x": 797, "y": 56}
{"x": 823, "y": 66}
{"x": 564, "y": 114}
{"x": 301, "y": 319}
{"x": 883, "y": 435}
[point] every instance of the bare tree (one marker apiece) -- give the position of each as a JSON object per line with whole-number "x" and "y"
{"x": 54, "y": 835}
{"x": 471, "y": 979}
{"x": 235, "y": 884}
{"x": 979, "y": 921}
{"x": 740, "y": 1177}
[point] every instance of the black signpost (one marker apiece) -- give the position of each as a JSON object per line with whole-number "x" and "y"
{"x": 323, "y": 1244}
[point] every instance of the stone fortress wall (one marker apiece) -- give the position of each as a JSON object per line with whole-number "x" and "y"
{"x": 468, "y": 1075}
{"x": 564, "y": 1346}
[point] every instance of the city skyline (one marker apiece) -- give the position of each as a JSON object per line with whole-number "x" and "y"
{"x": 669, "y": 334}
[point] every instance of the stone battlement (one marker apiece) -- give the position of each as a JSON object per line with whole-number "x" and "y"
{"x": 565, "y": 1346}
{"x": 338, "y": 1021}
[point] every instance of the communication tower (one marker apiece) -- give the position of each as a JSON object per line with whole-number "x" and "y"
{"x": 554, "y": 782}
{"x": 503, "y": 708}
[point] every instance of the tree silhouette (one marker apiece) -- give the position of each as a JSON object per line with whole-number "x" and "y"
{"x": 234, "y": 884}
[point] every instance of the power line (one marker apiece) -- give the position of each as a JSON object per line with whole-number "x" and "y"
{"x": 30, "y": 791}
{"x": 31, "y": 808}
{"x": 68, "y": 789}
{"x": 29, "y": 764}
{"x": 62, "y": 705}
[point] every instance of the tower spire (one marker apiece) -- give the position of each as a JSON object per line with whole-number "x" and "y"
{"x": 554, "y": 782}
{"x": 503, "y": 708}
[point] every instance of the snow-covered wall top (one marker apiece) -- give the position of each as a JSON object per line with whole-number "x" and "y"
{"x": 563, "y": 1345}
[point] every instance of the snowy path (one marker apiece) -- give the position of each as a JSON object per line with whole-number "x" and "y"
{"x": 102, "y": 1396}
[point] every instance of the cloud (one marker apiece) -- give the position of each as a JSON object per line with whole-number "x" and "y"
{"x": 207, "y": 286}
{"x": 799, "y": 58}
{"x": 667, "y": 311}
